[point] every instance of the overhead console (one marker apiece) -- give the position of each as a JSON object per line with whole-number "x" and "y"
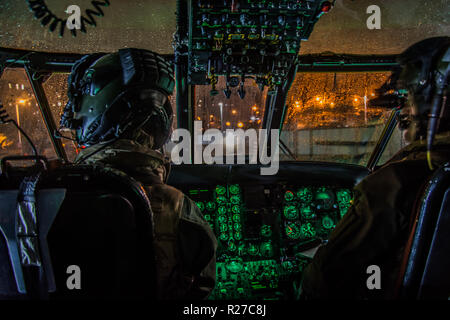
{"x": 265, "y": 225}
{"x": 244, "y": 38}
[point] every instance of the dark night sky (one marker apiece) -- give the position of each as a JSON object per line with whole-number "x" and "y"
{"x": 150, "y": 24}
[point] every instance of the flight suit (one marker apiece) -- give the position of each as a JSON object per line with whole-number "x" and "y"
{"x": 185, "y": 245}
{"x": 375, "y": 229}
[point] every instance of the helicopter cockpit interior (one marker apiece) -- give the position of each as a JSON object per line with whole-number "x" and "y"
{"x": 306, "y": 71}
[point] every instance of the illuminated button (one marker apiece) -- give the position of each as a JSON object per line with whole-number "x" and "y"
{"x": 327, "y": 222}
{"x": 236, "y": 209}
{"x": 222, "y": 210}
{"x": 289, "y": 196}
{"x": 235, "y": 189}
{"x": 236, "y": 199}
{"x": 307, "y": 231}
{"x": 221, "y": 190}
{"x": 221, "y": 200}
{"x": 307, "y": 212}
{"x": 200, "y": 205}
{"x": 290, "y": 212}
{"x": 210, "y": 206}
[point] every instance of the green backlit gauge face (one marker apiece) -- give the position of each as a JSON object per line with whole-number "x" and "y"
{"x": 327, "y": 222}
{"x": 236, "y": 199}
{"x": 221, "y": 190}
{"x": 307, "y": 212}
{"x": 231, "y": 246}
{"x": 235, "y": 189}
{"x": 238, "y": 236}
{"x": 305, "y": 194}
{"x": 252, "y": 249}
{"x": 290, "y": 212}
{"x": 324, "y": 199}
{"x": 223, "y": 236}
{"x": 266, "y": 230}
{"x": 307, "y": 231}
{"x": 223, "y": 227}
{"x": 236, "y": 209}
{"x": 292, "y": 230}
{"x": 343, "y": 211}
{"x": 236, "y": 218}
{"x": 289, "y": 196}
{"x": 222, "y": 210}
{"x": 210, "y": 206}
{"x": 344, "y": 196}
{"x": 266, "y": 249}
{"x": 237, "y": 227}
{"x": 207, "y": 217}
{"x": 200, "y": 205}
{"x": 221, "y": 200}
{"x": 234, "y": 266}
{"x": 222, "y": 219}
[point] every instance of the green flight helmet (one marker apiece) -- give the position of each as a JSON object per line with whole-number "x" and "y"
{"x": 120, "y": 95}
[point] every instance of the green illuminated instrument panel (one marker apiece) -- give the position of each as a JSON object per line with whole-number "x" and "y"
{"x": 260, "y": 245}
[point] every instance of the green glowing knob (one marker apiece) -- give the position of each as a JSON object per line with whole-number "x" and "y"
{"x": 252, "y": 250}
{"x": 292, "y": 230}
{"x": 266, "y": 230}
{"x": 207, "y": 217}
{"x": 236, "y": 218}
{"x": 222, "y": 210}
{"x": 266, "y": 249}
{"x": 307, "y": 212}
{"x": 235, "y": 199}
{"x": 235, "y": 189}
{"x": 236, "y": 209}
{"x": 221, "y": 190}
{"x": 307, "y": 231}
{"x": 237, "y": 226}
{"x": 223, "y": 236}
{"x": 221, "y": 200}
{"x": 289, "y": 196}
{"x": 305, "y": 194}
{"x": 200, "y": 205}
{"x": 327, "y": 222}
{"x": 290, "y": 212}
{"x": 210, "y": 206}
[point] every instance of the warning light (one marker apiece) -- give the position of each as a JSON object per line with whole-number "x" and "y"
{"x": 240, "y": 124}
{"x": 326, "y": 6}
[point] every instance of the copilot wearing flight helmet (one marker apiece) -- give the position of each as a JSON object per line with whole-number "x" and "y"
{"x": 376, "y": 227}
{"x": 121, "y": 116}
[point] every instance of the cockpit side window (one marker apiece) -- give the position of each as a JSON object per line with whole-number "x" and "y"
{"x": 20, "y": 103}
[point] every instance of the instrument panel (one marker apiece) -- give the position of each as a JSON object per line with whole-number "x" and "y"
{"x": 263, "y": 232}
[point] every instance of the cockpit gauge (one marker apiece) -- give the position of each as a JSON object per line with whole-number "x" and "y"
{"x": 290, "y": 212}
{"x": 324, "y": 199}
{"x": 293, "y": 230}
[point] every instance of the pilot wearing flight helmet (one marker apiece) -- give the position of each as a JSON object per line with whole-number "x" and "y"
{"x": 376, "y": 227}
{"x": 120, "y": 112}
